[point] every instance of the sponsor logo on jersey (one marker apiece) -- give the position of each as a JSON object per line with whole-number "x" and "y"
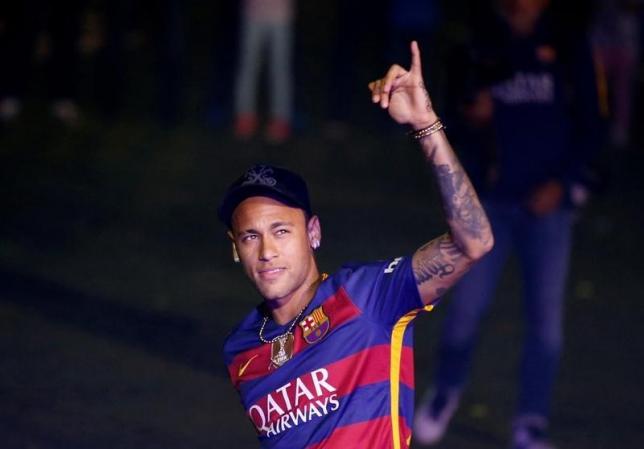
{"x": 306, "y": 398}
{"x": 315, "y": 326}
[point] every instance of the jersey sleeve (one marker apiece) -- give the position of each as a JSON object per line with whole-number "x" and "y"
{"x": 385, "y": 291}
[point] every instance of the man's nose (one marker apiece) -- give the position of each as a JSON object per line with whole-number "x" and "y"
{"x": 268, "y": 249}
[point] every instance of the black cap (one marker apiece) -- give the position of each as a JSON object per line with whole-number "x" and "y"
{"x": 273, "y": 182}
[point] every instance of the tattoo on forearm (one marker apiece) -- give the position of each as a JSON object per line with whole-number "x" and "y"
{"x": 460, "y": 201}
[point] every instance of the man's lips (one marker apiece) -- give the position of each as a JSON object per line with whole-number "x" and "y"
{"x": 270, "y": 273}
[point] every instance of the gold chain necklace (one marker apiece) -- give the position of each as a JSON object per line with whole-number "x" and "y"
{"x": 282, "y": 345}
{"x": 289, "y": 331}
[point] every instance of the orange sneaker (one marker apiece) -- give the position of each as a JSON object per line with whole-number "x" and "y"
{"x": 278, "y": 131}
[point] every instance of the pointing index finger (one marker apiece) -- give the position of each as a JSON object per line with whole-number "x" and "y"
{"x": 415, "y": 58}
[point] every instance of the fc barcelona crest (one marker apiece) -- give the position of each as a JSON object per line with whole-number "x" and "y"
{"x": 315, "y": 326}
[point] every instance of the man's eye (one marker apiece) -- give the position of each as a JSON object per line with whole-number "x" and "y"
{"x": 281, "y": 232}
{"x": 248, "y": 238}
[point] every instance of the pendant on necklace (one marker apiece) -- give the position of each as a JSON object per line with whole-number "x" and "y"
{"x": 282, "y": 349}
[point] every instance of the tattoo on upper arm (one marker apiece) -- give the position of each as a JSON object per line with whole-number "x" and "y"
{"x": 460, "y": 200}
{"x": 436, "y": 260}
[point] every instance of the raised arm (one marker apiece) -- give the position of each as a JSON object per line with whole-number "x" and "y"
{"x": 441, "y": 262}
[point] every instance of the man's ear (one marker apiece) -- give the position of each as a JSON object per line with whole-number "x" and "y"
{"x": 235, "y": 253}
{"x": 314, "y": 232}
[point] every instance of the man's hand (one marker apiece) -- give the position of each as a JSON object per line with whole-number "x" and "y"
{"x": 546, "y": 198}
{"x": 403, "y": 93}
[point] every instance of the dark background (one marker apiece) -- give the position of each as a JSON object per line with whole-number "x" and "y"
{"x": 117, "y": 284}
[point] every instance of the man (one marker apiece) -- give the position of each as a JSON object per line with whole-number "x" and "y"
{"x": 538, "y": 97}
{"x": 326, "y": 361}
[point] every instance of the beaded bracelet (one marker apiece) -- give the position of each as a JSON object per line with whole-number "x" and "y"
{"x": 424, "y": 132}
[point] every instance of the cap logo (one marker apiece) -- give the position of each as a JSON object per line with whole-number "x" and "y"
{"x": 261, "y": 175}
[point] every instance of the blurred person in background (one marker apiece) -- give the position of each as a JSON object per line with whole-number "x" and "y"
{"x": 534, "y": 101}
{"x": 351, "y": 34}
{"x": 170, "y": 53}
{"x": 62, "y": 66}
{"x": 17, "y": 37}
{"x": 106, "y": 28}
{"x": 266, "y": 30}
{"x": 616, "y": 43}
{"x": 49, "y": 34}
{"x": 224, "y": 54}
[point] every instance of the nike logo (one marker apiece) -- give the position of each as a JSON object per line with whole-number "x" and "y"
{"x": 244, "y": 366}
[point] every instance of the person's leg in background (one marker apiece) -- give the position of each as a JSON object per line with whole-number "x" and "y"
{"x": 110, "y": 71}
{"x": 543, "y": 245}
{"x": 63, "y": 66}
{"x": 624, "y": 71}
{"x": 225, "y": 48}
{"x": 281, "y": 78}
{"x": 250, "y": 61}
{"x": 170, "y": 48}
{"x": 469, "y": 302}
{"x": 17, "y": 39}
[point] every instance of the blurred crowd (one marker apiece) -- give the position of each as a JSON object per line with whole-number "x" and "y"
{"x": 259, "y": 57}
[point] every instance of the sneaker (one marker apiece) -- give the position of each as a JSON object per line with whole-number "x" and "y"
{"x": 245, "y": 126}
{"x": 10, "y": 107}
{"x": 434, "y": 414}
{"x": 278, "y": 131}
{"x": 530, "y": 432}
{"x": 66, "y": 111}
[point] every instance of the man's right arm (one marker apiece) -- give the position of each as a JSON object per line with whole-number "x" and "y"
{"x": 440, "y": 263}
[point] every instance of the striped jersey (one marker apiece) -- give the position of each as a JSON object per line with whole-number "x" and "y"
{"x": 350, "y": 381}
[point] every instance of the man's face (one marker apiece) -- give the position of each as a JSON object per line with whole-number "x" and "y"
{"x": 274, "y": 245}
